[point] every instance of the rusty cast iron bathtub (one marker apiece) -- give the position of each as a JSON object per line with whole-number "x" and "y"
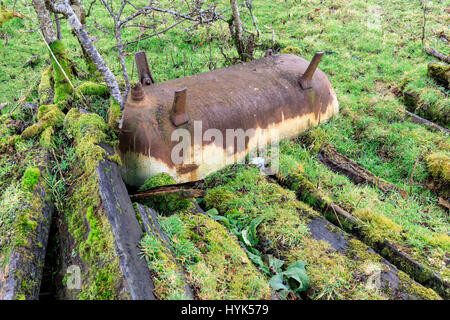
{"x": 282, "y": 94}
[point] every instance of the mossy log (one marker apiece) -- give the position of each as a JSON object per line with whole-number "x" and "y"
{"x": 6, "y": 15}
{"x": 390, "y": 279}
{"x": 45, "y": 89}
{"x": 48, "y": 116}
{"x": 437, "y": 112}
{"x": 439, "y": 71}
{"x": 359, "y": 175}
{"x": 151, "y": 226}
{"x": 416, "y": 119}
{"x": 20, "y": 278}
{"x": 93, "y": 89}
{"x": 439, "y": 167}
{"x": 125, "y": 228}
{"x": 106, "y": 238}
{"x": 62, "y": 72}
{"x": 335, "y": 214}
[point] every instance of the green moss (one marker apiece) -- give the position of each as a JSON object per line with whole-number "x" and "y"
{"x": 291, "y": 174}
{"x": 166, "y": 204}
{"x": 30, "y": 178}
{"x": 424, "y": 100}
{"x": 217, "y": 266}
{"x": 114, "y": 114}
{"x": 379, "y": 226}
{"x": 93, "y": 240}
{"x": 291, "y": 50}
{"x": 437, "y": 111}
{"x": 62, "y": 87}
{"x": 6, "y": 15}
{"x": 48, "y": 116}
{"x": 47, "y": 138}
{"x": 103, "y": 283}
{"x": 314, "y": 139}
{"x": 439, "y": 71}
{"x": 88, "y": 131}
{"x": 93, "y": 89}
{"x": 45, "y": 90}
{"x": 415, "y": 290}
{"x": 218, "y": 197}
{"x": 169, "y": 284}
{"x": 439, "y": 166}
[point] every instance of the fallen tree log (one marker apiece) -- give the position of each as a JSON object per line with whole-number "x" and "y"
{"x": 346, "y": 166}
{"x": 437, "y": 55}
{"x": 151, "y": 226}
{"x": 186, "y": 190}
{"x": 416, "y": 119}
{"x": 102, "y": 238}
{"x": 21, "y": 269}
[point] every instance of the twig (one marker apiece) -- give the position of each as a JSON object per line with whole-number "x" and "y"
{"x": 339, "y": 221}
{"x": 152, "y": 35}
{"x": 424, "y": 6}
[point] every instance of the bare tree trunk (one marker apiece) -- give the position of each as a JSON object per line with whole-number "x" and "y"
{"x": 238, "y": 30}
{"x": 86, "y": 42}
{"x": 122, "y": 58}
{"x": 58, "y": 27}
{"x": 45, "y": 21}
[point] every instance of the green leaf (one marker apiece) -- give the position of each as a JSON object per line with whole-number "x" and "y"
{"x": 213, "y": 212}
{"x": 246, "y": 237}
{"x": 275, "y": 263}
{"x": 217, "y": 217}
{"x": 276, "y": 282}
{"x": 252, "y": 228}
{"x": 256, "y": 259}
{"x": 297, "y": 272}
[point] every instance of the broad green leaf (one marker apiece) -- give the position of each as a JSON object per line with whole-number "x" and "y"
{"x": 212, "y": 212}
{"x": 276, "y": 282}
{"x": 252, "y": 227}
{"x": 297, "y": 272}
{"x": 256, "y": 259}
{"x": 275, "y": 263}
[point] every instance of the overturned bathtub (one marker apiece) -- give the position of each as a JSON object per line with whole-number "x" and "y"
{"x": 194, "y": 126}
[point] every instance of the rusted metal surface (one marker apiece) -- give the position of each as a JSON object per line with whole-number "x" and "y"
{"x": 179, "y": 115}
{"x": 137, "y": 93}
{"x": 264, "y": 94}
{"x": 145, "y": 76}
{"x": 306, "y": 80}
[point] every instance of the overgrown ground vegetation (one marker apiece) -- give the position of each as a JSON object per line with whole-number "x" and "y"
{"x": 374, "y": 55}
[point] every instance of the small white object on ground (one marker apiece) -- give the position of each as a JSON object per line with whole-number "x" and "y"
{"x": 259, "y": 162}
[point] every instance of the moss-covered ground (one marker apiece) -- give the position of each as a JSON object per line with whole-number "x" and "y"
{"x": 283, "y": 232}
{"x": 419, "y": 227}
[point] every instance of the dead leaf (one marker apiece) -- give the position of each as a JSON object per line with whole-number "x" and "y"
{"x": 444, "y": 203}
